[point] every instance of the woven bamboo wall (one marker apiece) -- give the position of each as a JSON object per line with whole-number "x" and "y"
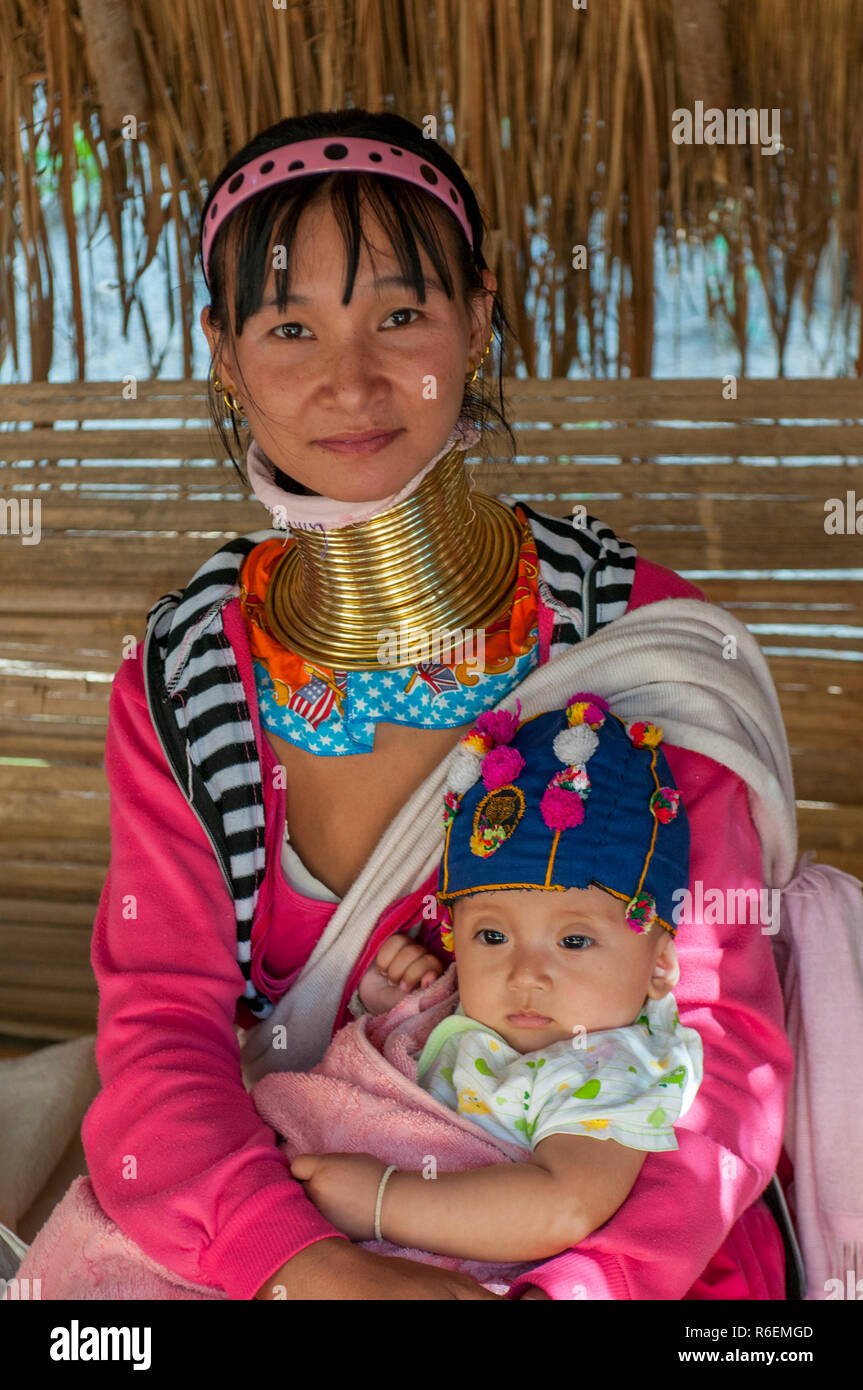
{"x": 132, "y": 503}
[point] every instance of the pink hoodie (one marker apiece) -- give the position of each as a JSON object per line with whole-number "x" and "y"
{"x": 176, "y": 1152}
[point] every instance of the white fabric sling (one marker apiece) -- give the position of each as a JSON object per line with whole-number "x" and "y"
{"x": 693, "y": 668}
{"x": 664, "y": 662}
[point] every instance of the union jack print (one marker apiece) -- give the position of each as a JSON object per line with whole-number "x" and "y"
{"x": 437, "y": 677}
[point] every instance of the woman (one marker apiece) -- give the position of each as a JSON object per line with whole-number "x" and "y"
{"x": 261, "y": 700}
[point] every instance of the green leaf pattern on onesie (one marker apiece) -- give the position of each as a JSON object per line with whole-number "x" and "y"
{"x": 631, "y": 1084}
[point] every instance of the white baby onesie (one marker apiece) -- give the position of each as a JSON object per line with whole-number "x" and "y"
{"x": 630, "y": 1084}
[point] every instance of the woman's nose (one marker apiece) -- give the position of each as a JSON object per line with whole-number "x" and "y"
{"x": 354, "y": 363}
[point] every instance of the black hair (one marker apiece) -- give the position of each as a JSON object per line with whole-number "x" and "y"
{"x": 271, "y": 217}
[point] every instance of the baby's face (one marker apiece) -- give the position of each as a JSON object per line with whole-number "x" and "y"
{"x": 567, "y": 959}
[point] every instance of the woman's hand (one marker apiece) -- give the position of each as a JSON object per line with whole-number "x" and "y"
{"x": 400, "y": 965}
{"x": 343, "y": 1187}
{"x": 333, "y": 1269}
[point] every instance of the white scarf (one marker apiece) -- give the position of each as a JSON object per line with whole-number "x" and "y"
{"x": 665, "y": 662}
{"x": 294, "y": 511}
{"x": 662, "y": 662}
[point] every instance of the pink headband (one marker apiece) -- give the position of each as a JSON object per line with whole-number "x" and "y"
{"x": 324, "y": 155}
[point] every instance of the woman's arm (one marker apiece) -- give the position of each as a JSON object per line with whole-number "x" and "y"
{"x": 661, "y": 1240}
{"x": 335, "y": 1270}
{"x": 520, "y": 1211}
{"x": 176, "y": 1151}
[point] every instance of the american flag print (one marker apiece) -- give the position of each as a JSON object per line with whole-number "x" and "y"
{"x": 316, "y": 698}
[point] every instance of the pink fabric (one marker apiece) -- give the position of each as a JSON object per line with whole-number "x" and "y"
{"x": 278, "y": 957}
{"x": 213, "y": 1199}
{"x": 80, "y": 1254}
{"x": 363, "y": 1097}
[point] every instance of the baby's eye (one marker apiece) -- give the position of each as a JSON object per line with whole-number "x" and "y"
{"x": 577, "y": 943}
{"x": 486, "y": 932}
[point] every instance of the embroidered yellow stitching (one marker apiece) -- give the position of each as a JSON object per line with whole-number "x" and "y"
{"x": 547, "y": 883}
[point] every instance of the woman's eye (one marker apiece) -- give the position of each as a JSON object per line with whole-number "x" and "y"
{"x": 486, "y": 932}
{"x": 404, "y": 311}
{"x": 577, "y": 943}
{"x": 292, "y": 337}
{"x": 287, "y": 325}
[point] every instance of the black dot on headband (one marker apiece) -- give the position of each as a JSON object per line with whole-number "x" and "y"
{"x": 267, "y": 166}
{"x": 297, "y": 164}
{"x": 428, "y": 173}
{"x": 235, "y": 183}
{"x": 376, "y": 157}
{"x": 335, "y": 151}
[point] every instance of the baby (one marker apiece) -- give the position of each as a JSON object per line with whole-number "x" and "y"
{"x": 565, "y": 843}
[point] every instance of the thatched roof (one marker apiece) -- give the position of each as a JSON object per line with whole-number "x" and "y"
{"x": 569, "y": 112}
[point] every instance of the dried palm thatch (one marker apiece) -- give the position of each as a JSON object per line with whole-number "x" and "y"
{"x": 562, "y": 117}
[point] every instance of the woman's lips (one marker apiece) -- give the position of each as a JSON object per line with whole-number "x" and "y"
{"x": 528, "y": 1020}
{"x": 359, "y": 446}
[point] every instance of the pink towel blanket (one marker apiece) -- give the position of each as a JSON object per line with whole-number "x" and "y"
{"x": 362, "y": 1097}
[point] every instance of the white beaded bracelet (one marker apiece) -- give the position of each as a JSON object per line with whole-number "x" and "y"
{"x": 382, "y": 1184}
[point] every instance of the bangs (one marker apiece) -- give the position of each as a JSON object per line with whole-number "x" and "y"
{"x": 405, "y": 213}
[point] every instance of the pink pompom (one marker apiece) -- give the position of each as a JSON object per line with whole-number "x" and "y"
{"x": 501, "y": 765}
{"x": 499, "y": 723}
{"x": 561, "y": 809}
{"x": 586, "y": 712}
{"x": 588, "y": 697}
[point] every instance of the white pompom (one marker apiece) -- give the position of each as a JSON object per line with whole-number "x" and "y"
{"x": 465, "y": 770}
{"x": 576, "y": 744}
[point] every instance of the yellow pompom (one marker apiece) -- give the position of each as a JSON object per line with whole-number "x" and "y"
{"x": 477, "y": 742}
{"x": 575, "y": 713}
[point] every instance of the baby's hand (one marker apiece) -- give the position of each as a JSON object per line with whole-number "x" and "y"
{"x": 400, "y": 965}
{"x": 343, "y": 1187}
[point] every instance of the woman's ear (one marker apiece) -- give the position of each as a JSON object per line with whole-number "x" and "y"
{"x": 483, "y": 307}
{"x": 208, "y": 330}
{"x": 666, "y": 969}
{"x": 228, "y": 366}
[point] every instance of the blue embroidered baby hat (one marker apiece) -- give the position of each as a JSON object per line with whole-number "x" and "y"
{"x": 565, "y": 799}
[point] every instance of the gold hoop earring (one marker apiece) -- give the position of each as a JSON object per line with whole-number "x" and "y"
{"x": 231, "y": 403}
{"x": 473, "y": 378}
